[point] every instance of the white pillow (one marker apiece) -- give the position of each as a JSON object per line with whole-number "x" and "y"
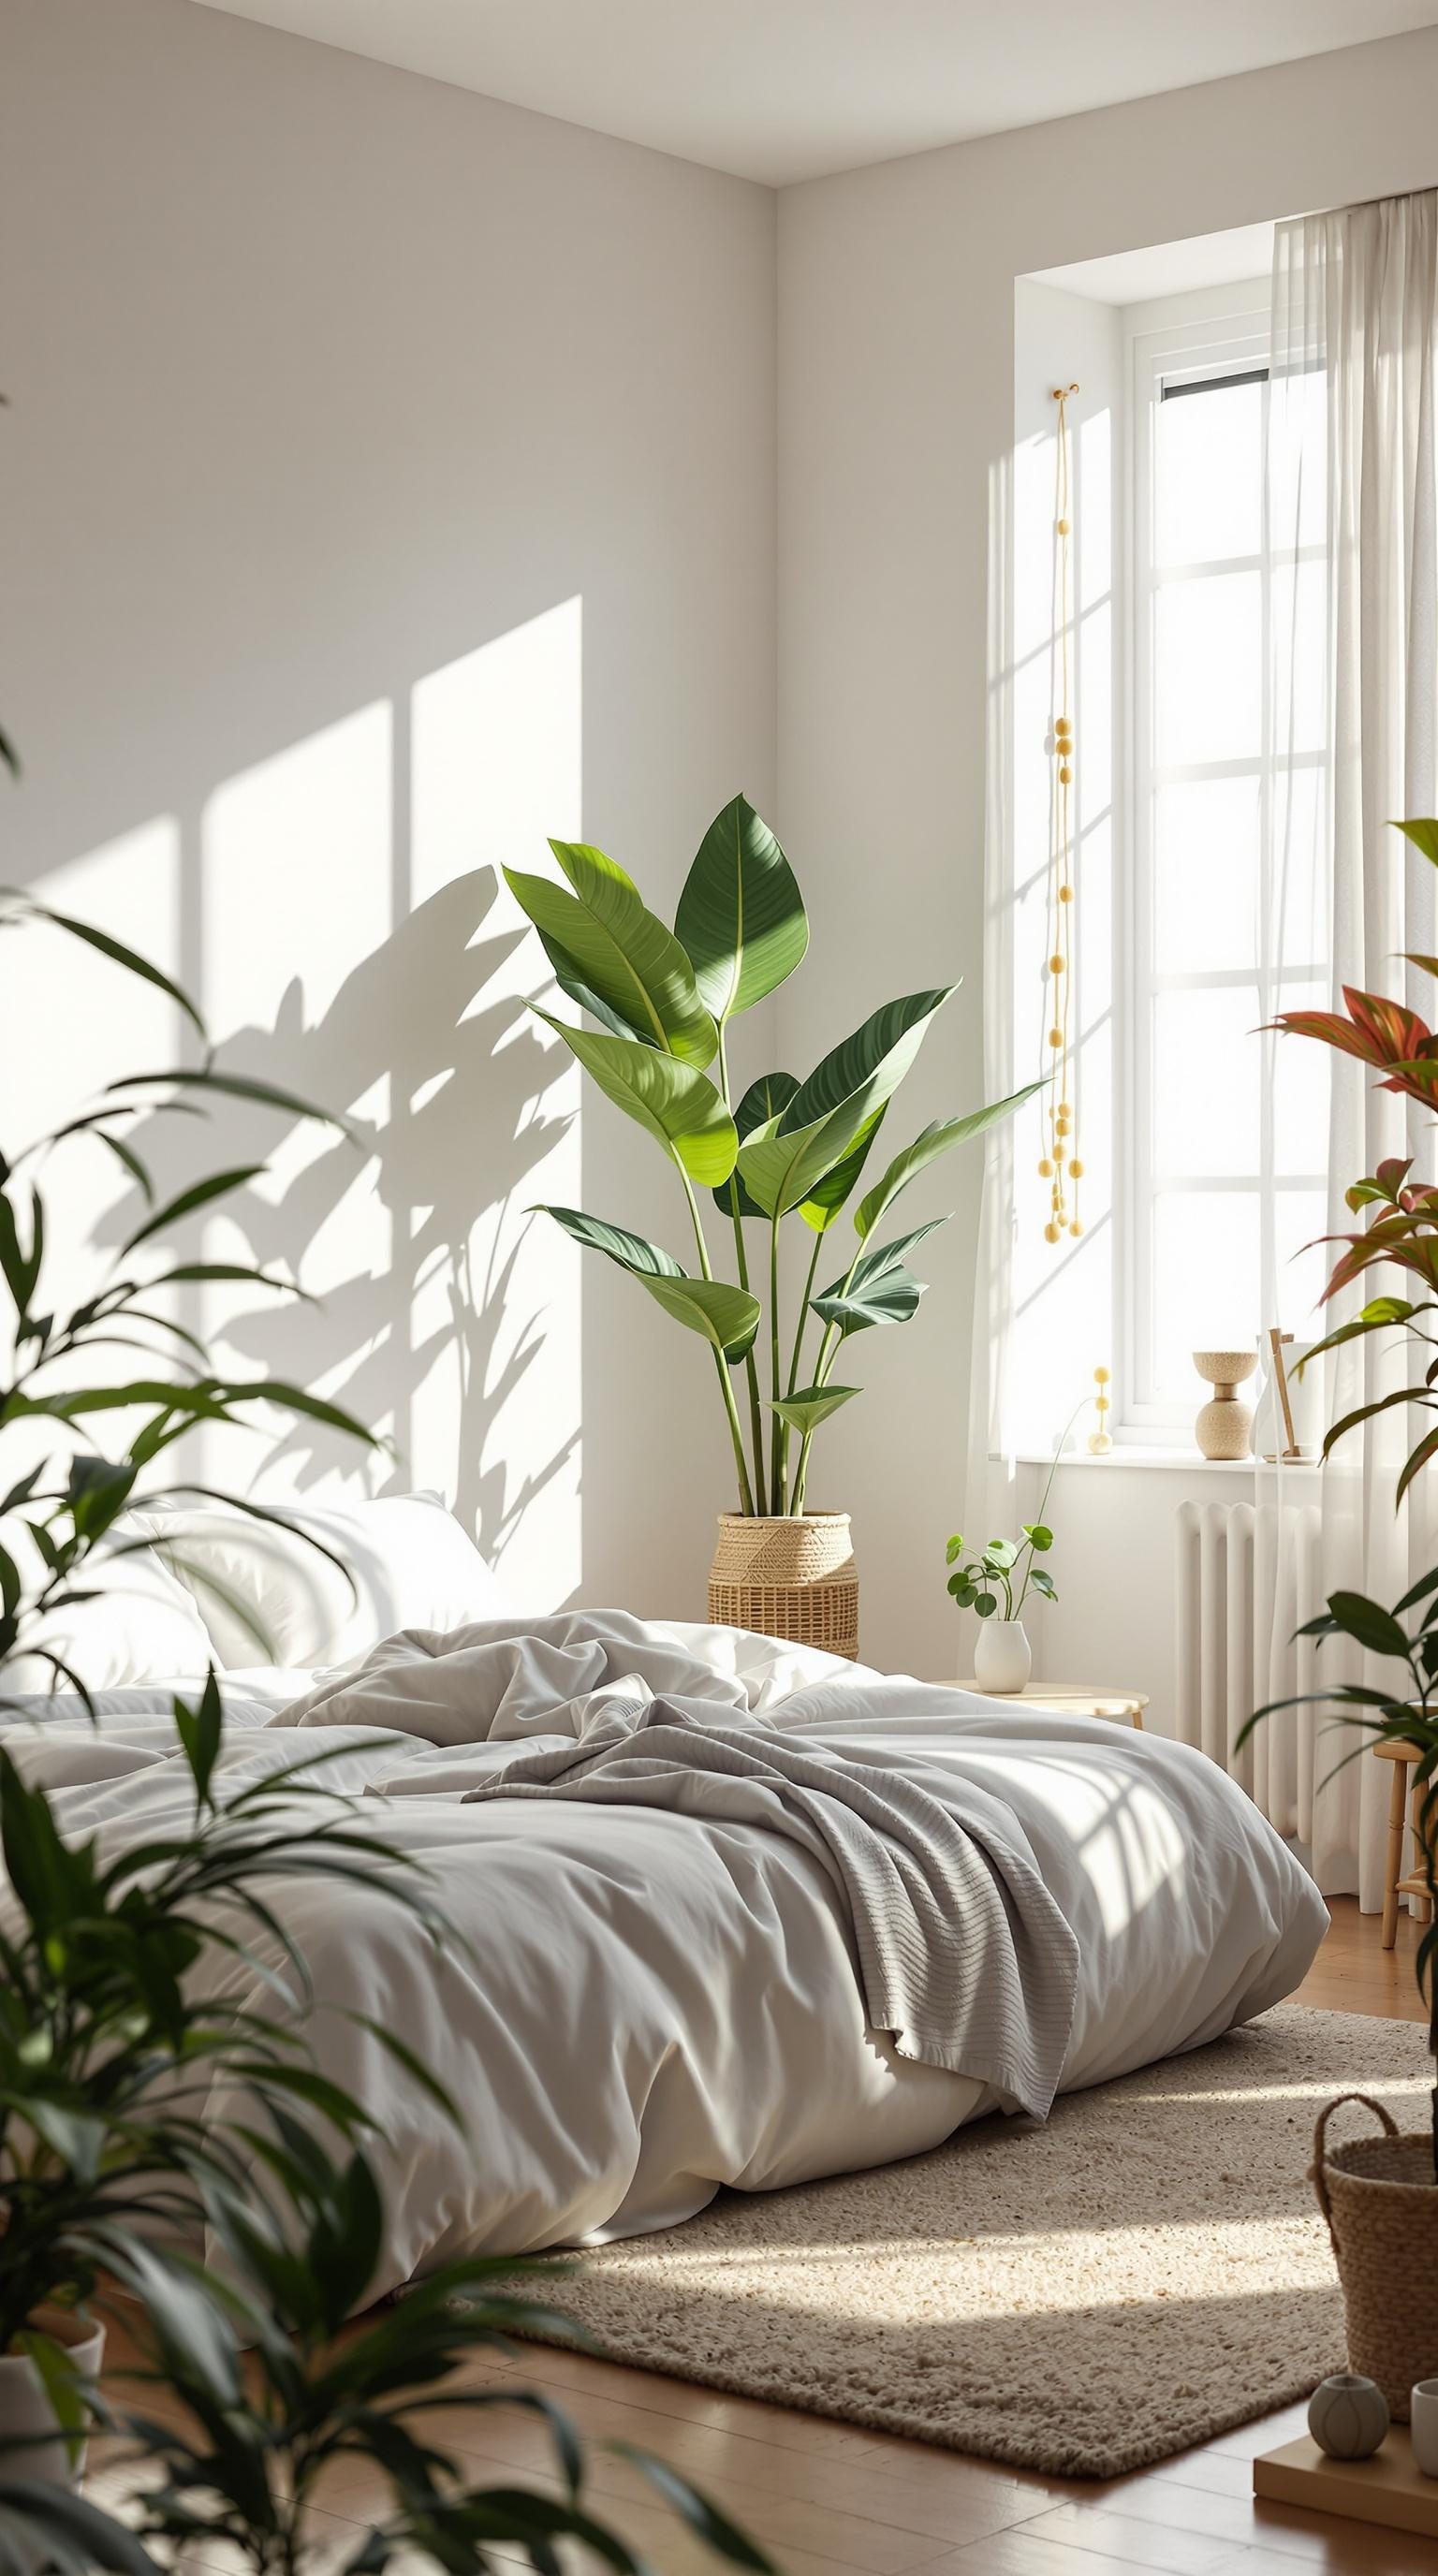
{"x": 267, "y": 1597}
{"x": 143, "y": 1626}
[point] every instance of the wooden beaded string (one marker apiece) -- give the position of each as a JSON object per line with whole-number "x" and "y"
{"x": 1100, "y": 1439}
{"x": 1060, "y": 1165}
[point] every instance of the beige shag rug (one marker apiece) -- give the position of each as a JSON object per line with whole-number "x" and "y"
{"x": 1140, "y": 2274}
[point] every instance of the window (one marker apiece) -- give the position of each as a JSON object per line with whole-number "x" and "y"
{"x": 1226, "y": 917}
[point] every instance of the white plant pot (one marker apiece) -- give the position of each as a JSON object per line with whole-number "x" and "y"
{"x": 25, "y": 2409}
{"x": 1003, "y": 1659}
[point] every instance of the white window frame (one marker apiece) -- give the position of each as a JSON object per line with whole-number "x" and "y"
{"x": 1186, "y": 338}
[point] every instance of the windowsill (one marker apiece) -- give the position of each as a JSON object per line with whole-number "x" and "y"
{"x": 1186, "y": 1462}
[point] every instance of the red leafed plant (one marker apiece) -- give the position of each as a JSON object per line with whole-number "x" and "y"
{"x": 1403, "y": 1227}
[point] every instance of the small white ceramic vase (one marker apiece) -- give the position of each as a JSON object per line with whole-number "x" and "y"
{"x": 1423, "y": 2425}
{"x": 1003, "y": 1659}
{"x": 1348, "y": 2416}
{"x": 27, "y": 2418}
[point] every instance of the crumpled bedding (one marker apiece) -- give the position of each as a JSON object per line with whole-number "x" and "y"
{"x": 651, "y": 2000}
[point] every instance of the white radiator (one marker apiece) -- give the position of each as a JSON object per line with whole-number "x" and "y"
{"x": 1247, "y": 1576}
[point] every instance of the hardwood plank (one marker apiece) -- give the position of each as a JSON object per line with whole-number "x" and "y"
{"x": 835, "y": 2499}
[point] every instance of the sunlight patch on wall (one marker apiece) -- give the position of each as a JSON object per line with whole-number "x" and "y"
{"x": 496, "y": 769}
{"x": 294, "y": 917}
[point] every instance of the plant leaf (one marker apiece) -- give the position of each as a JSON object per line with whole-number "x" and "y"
{"x": 870, "y": 1064}
{"x": 726, "y": 1317}
{"x": 1423, "y": 833}
{"x": 621, "y": 950}
{"x": 879, "y": 1289}
{"x": 761, "y": 1104}
{"x": 679, "y": 1105}
{"x": 1367, "y": 1622}
{"x": 114, "y": 949}
{"x": 741, "y": 918}
{"x": 811, "y": 1406}
{"x": 935, "y": 1140}
{"x": 890, "y": 1297}
{"x": 239, "y": 1086}
{"x": 630, "y": 1251}
{"x": 198, "y": 1195}
{"x": 830, "y": 1197}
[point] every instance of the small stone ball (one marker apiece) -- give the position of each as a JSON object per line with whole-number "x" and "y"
{"x": 1056, "y": 1037}
{"x": 1066, "y": 894}
{"x": 1076, "y": 1168}
{"x": 1075, "y": 1228}
{"x": 1101, "y": 1376}
{"x": 1051, "y": 1233}
{"x": 1056, "y": 965}
{"x": 1063, "y": 527}
{"x": 1046, "y": 1169}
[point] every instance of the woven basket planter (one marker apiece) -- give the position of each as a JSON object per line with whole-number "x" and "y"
{"x": 793, "y": 1579}
{"x": 1381, "y": 2203}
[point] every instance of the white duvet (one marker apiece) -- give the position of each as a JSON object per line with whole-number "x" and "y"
{"x": 650, "y": 2004}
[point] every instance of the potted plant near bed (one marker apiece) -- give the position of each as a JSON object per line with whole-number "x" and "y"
{"x": 774, "y": 1158}
{"x": 110, "y": 2045}
{"x": 1380, "y": 2195}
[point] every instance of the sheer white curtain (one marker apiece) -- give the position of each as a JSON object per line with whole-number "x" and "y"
{"x": 1353, "y": 506}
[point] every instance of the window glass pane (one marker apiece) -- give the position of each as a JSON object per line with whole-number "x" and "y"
{"x": 1205, "y": 1284}
{"x": 1205, "y": 875}
{"x": 1300, "y": 657}
{"x": 1208, "y": 642}
{"x": 1303, "y": 1261}
{"x": 1208, "y": 1066}
{"x": 1209, "y": 475}
{"x": 1301, "y": 1070}
{"x": 1300, "y": 863}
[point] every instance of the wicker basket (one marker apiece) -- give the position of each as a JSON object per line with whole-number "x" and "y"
{"x": 1381, "y": 2203}
{"x": 793, "y": 1579}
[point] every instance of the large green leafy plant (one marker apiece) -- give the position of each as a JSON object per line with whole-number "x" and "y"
{"x": 778, "y": 1149}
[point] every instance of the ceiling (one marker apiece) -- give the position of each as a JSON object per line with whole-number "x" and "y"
{"x": 780, "y": 90}
{"x": 1171, "y": 268}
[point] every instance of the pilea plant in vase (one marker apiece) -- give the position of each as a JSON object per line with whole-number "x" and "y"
{"x": 1379, "y": 2194}
{"x": 995, "y": 1585}
{"x": 778, "y": 1149}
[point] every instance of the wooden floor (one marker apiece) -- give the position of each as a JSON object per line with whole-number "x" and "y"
{"x": 828, "y": 2500}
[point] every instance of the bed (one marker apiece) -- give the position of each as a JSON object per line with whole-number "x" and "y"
{"x": 659, "y": 1989}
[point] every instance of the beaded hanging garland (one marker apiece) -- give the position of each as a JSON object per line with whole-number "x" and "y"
{"x": 1061, "y": 1167}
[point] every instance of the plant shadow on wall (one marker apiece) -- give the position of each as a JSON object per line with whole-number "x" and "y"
{"x": 449, "y": 1093}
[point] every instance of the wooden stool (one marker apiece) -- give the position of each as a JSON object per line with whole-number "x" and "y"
{"x": 1395, "y": 1884}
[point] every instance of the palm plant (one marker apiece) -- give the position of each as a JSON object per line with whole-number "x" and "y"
{"x": 780, "y": 1148}
{"x": 264, "y": 2428}
{"x": 108, "y": 2047}
{"x": 1408, "y": 1715}
{"x": 107, "y": 2055}
{"x": 110, "y": 2050}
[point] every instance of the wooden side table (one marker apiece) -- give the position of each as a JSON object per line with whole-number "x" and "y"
{"x": 1400, "y": 1807}
{"x": 1075, "y": 1699}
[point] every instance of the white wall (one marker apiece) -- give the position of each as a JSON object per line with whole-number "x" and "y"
{"x": 389, "y": 481}
{"x": 896, "y": 419}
